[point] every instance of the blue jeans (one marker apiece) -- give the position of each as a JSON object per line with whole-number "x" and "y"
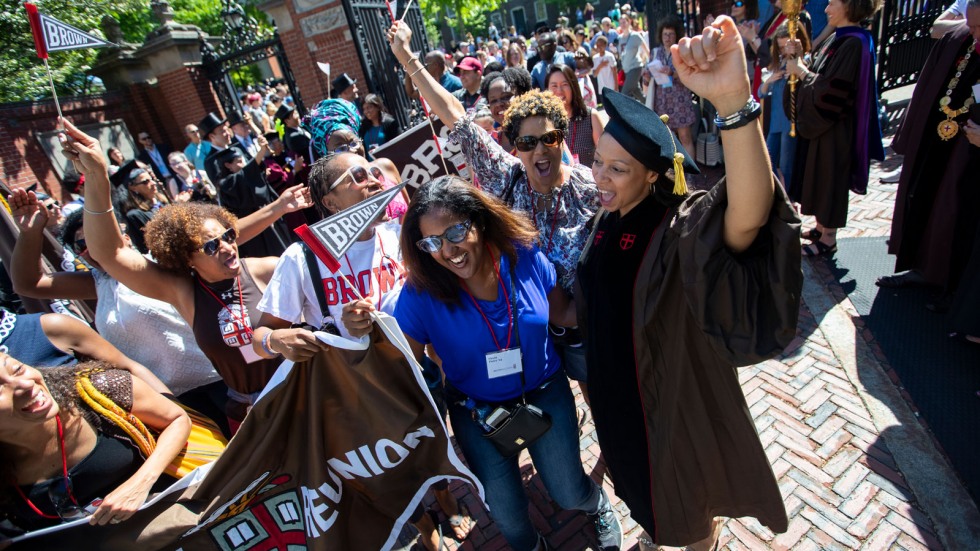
{"x": 555, "y": 456}
{"x": 573, "y": 358}
{"x": 782, "y": 153}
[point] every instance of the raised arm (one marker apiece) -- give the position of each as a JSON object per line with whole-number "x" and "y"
{"x": 712, "y": 65}
{"x": 443, "y": 104}
{"x": 292, "y": 199}
{"x": 26, "y": 274}
{"x": 106, "y": 243}
{"x": 174, "y": 426}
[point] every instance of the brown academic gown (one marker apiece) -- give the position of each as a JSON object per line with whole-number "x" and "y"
{"x": 700, "y": 312}
{"x": 825, "y": 122}
{"x": 933, "y": 171}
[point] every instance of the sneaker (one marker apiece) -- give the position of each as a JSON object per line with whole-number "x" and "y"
{"x": 608, "y": 531}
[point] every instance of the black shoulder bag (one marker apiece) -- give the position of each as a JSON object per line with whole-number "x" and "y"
{"x": 522, "y": 423}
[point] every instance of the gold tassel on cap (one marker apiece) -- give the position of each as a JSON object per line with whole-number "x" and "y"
{"x": 680, "y": 182}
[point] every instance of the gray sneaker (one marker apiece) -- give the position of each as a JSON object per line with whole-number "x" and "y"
{"x": 608, "y": 531}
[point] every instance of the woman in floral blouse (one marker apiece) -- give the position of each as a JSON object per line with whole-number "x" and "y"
{"x": 560, "y": 199}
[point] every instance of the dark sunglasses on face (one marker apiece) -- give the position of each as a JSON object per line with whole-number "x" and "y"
{"x": 359, "y": 174}
{"x": 52, "y": 206}
{"x": 453, "y": 234}
{"x": 552, "y": 138}
{"x": 210, "y": 247}
{"x": 79, "y": 246}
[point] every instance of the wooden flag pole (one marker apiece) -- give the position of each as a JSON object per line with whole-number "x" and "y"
{"x": 57, "y": 104}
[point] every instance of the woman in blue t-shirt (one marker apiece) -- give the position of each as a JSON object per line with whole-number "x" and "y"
{"x": 478, "y": 288}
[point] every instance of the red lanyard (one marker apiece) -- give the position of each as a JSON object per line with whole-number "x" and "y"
{"x": 384, "y": 255}
{"x": 554, "y": 215}
{"x": 510, "y": 314}
{"x": 64, "y": 471}
{"x": 246, "y": 327}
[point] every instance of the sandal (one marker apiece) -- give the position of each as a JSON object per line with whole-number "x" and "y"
{"x": 819, "y": 248}
{"x": 812, "y": 234}
{"x": 462, "y": 523}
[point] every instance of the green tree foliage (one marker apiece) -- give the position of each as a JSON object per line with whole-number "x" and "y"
{"x": 22, "y": 74}
{"x": 469, "y": 15}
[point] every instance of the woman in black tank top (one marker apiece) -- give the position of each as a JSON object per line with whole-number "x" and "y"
{"x": 197, "y": 268}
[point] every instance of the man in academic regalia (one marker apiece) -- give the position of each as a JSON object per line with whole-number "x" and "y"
{"x": 243, "y": 189}
{"x": 296, "y": 140}
{"x": 217, "y": 131}
{"x": 935, "y": 218}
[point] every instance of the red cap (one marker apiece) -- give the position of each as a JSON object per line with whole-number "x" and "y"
{"x": 470, "y": 64}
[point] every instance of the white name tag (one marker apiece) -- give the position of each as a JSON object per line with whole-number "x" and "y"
{"x": 504, "y": 362}
{"x": 249, "y": 354}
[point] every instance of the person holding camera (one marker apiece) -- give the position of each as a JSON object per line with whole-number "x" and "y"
{"x": 474, "y": 271}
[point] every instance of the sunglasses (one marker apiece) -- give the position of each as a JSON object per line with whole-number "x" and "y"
{"x": 357, "y": 173}
{"x": 79, "y": 246}
{"x": 210, "y": 247}
{"x": 52, "y": 206}
{"x": 551, "y": 138}
{"x": 347, "y": 147}
{"x": 62, "y": 495}
{"x": 453, "y": 234}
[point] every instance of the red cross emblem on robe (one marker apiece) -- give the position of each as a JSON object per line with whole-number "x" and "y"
{"x": 627, "y": 240}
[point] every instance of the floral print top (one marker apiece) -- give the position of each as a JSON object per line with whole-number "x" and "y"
{"x": 560, "y": 216}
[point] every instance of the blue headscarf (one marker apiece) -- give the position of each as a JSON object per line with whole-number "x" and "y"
{"x": 329, "y": 116}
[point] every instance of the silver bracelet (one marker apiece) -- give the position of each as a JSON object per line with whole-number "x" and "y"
{"x": 96, "y": 213}
{"x": 740, "y": 118}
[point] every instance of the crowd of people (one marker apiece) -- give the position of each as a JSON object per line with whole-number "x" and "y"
{"x": 575, "y": 253}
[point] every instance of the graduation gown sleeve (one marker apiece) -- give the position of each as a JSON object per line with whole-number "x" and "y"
{"x": 826, "y": 95}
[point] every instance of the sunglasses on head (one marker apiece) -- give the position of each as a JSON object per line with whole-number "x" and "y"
{"x": 552, "y": 138}
{"x": 453, "y": 234}
{"x": 210, "y": 247}
{"x": 359, "y": 174}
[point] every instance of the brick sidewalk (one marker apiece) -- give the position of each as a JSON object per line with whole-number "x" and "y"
{"x": 841, "y": 483}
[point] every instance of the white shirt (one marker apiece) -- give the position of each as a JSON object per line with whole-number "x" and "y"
{"x": 606, "y": 77}
{"x": 377, "y": 264}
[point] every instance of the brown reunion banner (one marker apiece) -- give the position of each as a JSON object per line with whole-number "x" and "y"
{"x": 416, "y": 153}
{"x": 336, "y": 455}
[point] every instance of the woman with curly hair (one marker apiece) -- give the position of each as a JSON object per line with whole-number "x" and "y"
{"x": 559, "y": 199}
{"x": 500, "y": 88}
{"x": 197, "y": 269}
{"x": 63, "y": 451}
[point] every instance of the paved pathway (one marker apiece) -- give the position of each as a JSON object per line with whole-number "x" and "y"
{"x": 856, "y": 468}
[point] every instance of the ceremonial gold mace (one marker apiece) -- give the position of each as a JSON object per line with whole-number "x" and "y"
{"x": 792, "y": 10}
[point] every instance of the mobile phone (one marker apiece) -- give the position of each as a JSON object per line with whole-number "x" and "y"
{"x": 497, "y": 416}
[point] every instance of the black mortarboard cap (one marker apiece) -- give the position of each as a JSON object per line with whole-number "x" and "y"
{"x": 121, "y": 175}
{"x": 227, "y": 155}
{"x": 644, "y": 135}
{"x": 269, "y": 136}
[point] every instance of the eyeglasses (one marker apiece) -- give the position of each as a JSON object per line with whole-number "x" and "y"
{"x": 210, "y": 247}
{"x": 550, "y": 139}
{"x": 453, "y": 234}
{"x": 62, "y": 495}
{"x": 144, "y": 138}
{"x": 79, "y": 246}
{"x": 357, "y": 173}
{"x": 347, "y": 147}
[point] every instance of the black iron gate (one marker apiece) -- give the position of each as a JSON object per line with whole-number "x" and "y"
{"x": 369, "y": 20}
{"x": 902, "y": 31}
{"x": 240, "y": 51}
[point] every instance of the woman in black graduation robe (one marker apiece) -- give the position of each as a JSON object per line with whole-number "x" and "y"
{"x": 677, "y": 290}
